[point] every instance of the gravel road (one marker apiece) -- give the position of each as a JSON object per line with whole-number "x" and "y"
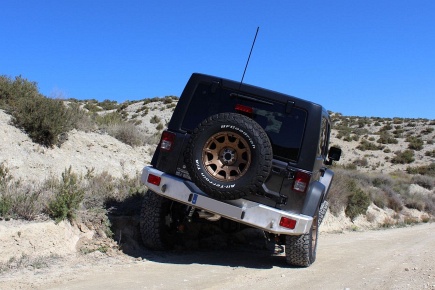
{"x": 402, "y": 258}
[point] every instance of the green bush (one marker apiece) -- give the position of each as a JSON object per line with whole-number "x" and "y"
{"x": 403, "y": 157}
{"x": 423, "y": 170}
{"x": 358, "y": 202}
{"x": 5, "y": 204}
{"x": 42, "y": 119}
{"x": 367, "y": 145}
{"x": 415, "y": 143}
{"x": 68, "y": 197}
{"x": 386, "y": 138}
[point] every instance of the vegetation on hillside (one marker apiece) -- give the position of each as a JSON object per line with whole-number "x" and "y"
{"x": 89, "y": 197}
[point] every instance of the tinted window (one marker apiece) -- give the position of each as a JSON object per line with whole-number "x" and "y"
{"x": 284, "y": 129}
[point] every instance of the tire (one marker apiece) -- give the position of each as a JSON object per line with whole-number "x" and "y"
{"x": 301, "y": 250}
{"x": 322, "y": 211}
{"x": 229, "y": 156}
{"x": 159, "y": 221}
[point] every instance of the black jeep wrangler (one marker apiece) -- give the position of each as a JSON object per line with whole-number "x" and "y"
{"x": 244, "y": 153}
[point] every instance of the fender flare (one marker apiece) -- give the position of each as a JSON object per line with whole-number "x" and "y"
{"x": 313, "y": 198}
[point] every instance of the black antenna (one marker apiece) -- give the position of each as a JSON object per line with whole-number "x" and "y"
{"x": 247, "y": 62}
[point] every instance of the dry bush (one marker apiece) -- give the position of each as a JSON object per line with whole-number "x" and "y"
{"x": 126, "y": 133}
{"x": 428, "y": 170}
{"x": 427, "y": 182}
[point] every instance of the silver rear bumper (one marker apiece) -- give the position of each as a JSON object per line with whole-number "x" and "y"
{"x": 241, "y": 210}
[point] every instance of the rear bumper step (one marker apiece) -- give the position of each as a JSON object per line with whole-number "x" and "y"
{"x": 241, "y": 210}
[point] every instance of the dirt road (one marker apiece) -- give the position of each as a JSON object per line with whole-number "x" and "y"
{"x": 401, "y": 258}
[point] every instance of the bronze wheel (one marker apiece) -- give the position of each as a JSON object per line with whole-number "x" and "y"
{"x": 226, "y": 156}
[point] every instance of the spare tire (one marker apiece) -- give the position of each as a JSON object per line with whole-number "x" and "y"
{"x": 229, "y": 156}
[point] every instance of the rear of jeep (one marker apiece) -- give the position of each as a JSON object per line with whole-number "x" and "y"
{"x": 244, "y": 153}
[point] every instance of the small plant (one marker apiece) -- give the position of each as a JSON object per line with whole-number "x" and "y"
{"x": 159, "y": 126}
{"x": 155, "y": 119}
{"x": 386, "y": 138}
{"x": 366, "y": 145}
{"x": 423, "y": 170}
{"x": 415, "y": 143}
{"x": 403, "y": 157}
{"x": 68, "y": 197}
{"x": 358, "y": 202}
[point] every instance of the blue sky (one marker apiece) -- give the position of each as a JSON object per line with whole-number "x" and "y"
{"x": 359, "y": 58}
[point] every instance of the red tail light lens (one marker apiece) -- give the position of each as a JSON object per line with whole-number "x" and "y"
{"x": 301, "y": 181}
{"x": 287, "y": 223}
{"x": 154, "y": 179}
{"x": 167, "y": 141}
{"x": 244, "y": 109}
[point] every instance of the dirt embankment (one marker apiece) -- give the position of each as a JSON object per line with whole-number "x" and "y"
{"x": 402, "y": 258}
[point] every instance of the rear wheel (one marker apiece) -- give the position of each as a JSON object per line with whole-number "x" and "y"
{"x": 301, "y": 250}
{"x": 322, "y": 212}
{"x": 160, "y": 222}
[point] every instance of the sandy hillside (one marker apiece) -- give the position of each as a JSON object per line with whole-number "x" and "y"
{"x": 47, "y": 243}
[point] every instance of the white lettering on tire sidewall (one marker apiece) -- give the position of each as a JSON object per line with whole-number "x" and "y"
{"x": 209, "y": 180}
{"x": 241, "y": 131}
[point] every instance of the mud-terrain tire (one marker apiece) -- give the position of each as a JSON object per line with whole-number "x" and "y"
{"x": 322, "y": 211}
{"x": 301, "y": 250}
{"x": 159, "y": 221}
{"x": 229, "y": 156}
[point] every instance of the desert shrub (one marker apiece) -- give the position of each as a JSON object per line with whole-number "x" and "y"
{"x": 171, "y": 105}
{"x": 415, "y": 143}
{"x": 424, "y": 181}
{"x": 379, "y": 198}
{"x": 395, "y": 201}
{"x": 403, "y": 157}
{"x": 109, "y": 119}
{"x": 358, "y": 201}
{"x": 427, "y": 131}
{"x": 386, "y": 138}
{"x": 68, "y": 197}
{"x": 417, "y": 201}
{"x": 155, "y": 119}
{"x": 13, "y": 90}
{"x": 42, "y": 119}
{"x": 126, "y": 133}
{"x": 92, "y": 107}
{"x": 108, "y": 105}
{"x": 382, "y": 180}
{"x": 151, "y": 100}
{"x": 366, "y": 145}
{"x": 145, "y": 112}
{"x": 80, "y": 119}
{"x": 430, "y": 153}
{"x": 386, "y": 127}
{"x": 6, "y": 203}
{"x": 363, "y": 162}
{"x": 423, "y": 170}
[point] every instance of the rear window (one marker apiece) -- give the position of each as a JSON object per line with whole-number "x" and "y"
{"x": 285, "y": 130}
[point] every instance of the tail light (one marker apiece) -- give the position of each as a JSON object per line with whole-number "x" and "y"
{"x": 301, "y": 181}
{"x": 167, "y": 141}
{"x": 245, "y": 110}
{"x": 287, "y": 223}
{"x": 154, "y": 179}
